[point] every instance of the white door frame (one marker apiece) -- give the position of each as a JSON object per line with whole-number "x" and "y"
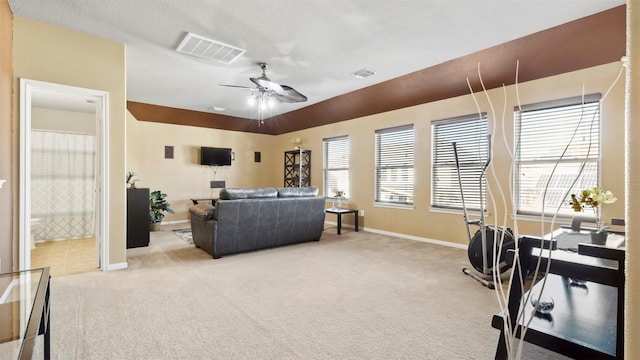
{"x": 27, "y": 88}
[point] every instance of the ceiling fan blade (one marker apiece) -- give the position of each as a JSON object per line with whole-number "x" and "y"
{"x": 290, "y": 95}
{"x": 283, "y": 93}
{"x": 264, "y": 82}
{"x": 236, "y": 86}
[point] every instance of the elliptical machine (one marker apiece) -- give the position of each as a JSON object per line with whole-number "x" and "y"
{"x": 480, "y": 249}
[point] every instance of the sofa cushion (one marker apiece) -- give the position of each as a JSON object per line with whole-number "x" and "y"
{"x": 202, "y": 210}
{"x": 259, "y": 193}
{"x": 297, "y": 191}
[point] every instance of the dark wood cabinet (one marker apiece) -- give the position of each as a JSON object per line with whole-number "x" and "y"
{"x": 137, "y": 218}
{"x": 297, "y": 168}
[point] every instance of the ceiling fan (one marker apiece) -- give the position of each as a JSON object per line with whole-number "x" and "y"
{"x": 268, "y": 88}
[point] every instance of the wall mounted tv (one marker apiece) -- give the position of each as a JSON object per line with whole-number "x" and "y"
{"x": 213, "y": 156}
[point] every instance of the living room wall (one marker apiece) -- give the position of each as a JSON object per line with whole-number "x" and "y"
{"x": 61, "y": 120}
{"x": 53, "y": 54}
{"x": 183, "y": 178}
{"x": 423, "y": 222}
{"x": 6, "y": 160}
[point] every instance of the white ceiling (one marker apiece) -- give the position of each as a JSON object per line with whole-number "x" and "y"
{"x": 310, "y": 45}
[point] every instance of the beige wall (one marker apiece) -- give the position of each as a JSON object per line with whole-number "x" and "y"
{"x": 60, "y": 120}
{"x": 421, "y": 222}
{"x": 6, "y": 126}
{"x": 53, "y": 54}
{"x": 632, "y": 314}
{"x": 183, "y": 178}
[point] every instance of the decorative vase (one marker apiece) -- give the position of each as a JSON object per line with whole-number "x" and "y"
{"x": 599, "y": 237}
{"x": 544, "y": 303}
{"x": 339, "y": 204}
{"x": 154, "y": 226}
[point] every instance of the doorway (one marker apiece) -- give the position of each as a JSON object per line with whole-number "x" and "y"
{"x": 51, "y": 115}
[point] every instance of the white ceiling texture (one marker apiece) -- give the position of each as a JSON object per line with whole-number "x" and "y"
{"x": 311, "y": 45}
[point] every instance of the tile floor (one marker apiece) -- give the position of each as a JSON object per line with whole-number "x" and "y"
{"x": 65, "y": 257}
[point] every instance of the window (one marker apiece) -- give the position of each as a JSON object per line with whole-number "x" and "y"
{"x": 470, "y": 135}
{"x": 394, "y": 165}
{"x": 336, "y": 165}
{"x": 564, "y": 135}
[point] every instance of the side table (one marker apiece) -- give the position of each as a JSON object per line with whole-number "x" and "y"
{"x": 198, "y": 201}
{"x": 25, "y": 313}
{"x": 340, "y": 212}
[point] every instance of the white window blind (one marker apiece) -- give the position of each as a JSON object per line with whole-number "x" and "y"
{"x": 394, "y": 165}
{"x": 564, "y": 134}
{"x": 336, "y": 165}
{"x": 470, "y": 135}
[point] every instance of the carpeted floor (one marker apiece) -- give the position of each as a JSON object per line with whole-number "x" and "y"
{"x": 355, "y": 296}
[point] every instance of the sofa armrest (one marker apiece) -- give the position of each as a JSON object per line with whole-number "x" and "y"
{"x": 202, "y": 210}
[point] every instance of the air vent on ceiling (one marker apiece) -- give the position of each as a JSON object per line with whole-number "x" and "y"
{"x": 204, "y": 48}
{"x": 363, "y": 73}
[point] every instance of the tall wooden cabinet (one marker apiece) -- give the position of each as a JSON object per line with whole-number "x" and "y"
{"x": 297, "y": 168}
{"x": 137, "y": 218}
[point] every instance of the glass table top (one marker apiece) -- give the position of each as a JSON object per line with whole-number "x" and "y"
{"x": 18, "y": 293}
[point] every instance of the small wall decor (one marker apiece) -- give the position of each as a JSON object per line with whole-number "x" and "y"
{"x": 168, "y": 152}
{"x": 131, "y": 179}
{"x": 257, "y": 156}
{"x": 217, "y": 184}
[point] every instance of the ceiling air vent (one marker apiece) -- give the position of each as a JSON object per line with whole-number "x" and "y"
{"x": 363, "y": 73}
{"x": 200, "y": 46}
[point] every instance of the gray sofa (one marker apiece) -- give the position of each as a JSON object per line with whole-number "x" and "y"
{"x": 251, "y": 219}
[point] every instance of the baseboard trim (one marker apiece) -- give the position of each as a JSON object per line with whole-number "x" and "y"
{"x": 403, "y": 236}
{"x": 174, "y": 222}
{"x": 418, "y": 238}
{"x": 117, "y": 266}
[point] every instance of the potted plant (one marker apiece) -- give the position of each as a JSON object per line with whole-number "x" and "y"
{"x": 593, "y": 198}
{"x": 339, "y": 194}
{"x": 131, "y": 179}
{"x": 157, "y": 206}
{"x": 296, "y": 143}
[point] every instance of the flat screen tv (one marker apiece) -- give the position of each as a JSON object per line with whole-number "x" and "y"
{"x": 213, "y": 156}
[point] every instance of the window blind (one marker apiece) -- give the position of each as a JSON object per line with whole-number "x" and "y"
{"x": 394, "y": 164}
{"x": 564, "y": 135}
{"x": 470, "y": 135}
{"x": 336, "y": 165}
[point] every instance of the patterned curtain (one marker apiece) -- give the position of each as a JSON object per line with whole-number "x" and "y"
{"x": 62, "y": 184}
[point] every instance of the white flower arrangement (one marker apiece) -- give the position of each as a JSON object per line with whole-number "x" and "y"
{"x": 592, "y": 198}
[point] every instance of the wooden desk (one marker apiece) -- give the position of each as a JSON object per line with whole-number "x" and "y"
{"x": 586, "y": 322}
{"x": 582, "y": 322}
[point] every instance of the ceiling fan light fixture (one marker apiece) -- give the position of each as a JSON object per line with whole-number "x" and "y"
{"x": 270, "y": 102}
{"x": 363, "y": 73}
{"x": 267, "y": 94}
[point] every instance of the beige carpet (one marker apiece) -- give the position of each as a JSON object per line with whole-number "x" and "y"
{"x": 354, "y": 296}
